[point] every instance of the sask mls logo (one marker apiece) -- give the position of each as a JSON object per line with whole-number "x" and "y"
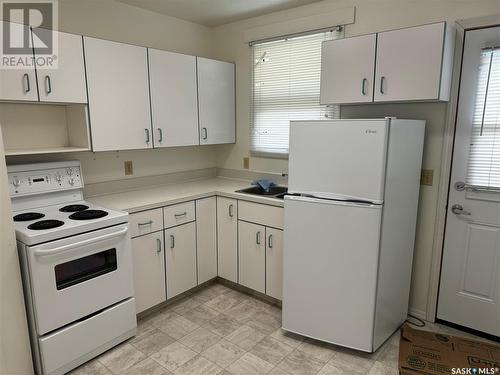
{"x": 26, "y": 34}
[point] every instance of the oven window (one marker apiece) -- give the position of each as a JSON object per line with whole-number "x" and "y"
{"x": 86, "y": 268}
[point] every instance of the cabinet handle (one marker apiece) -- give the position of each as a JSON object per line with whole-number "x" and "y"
{"x": 147, "y": 135}
{"x": 382, "y": 80}
{"x": 257, "y": 238}
{"x": 27, "y": 86}
{"x": 172, "y": 241}
{"x": 231, "y": 214}
{"x": 270, "y": 241}
{"x": 363, "y": 84}
{"x": 158, "y": 245}
{"x": 178, "y": 216}
{"x": 48, "y": 85}
{"x": 204, "y": 133}
{"x": 145, "y": 223}
{"x": 160, "y": 133}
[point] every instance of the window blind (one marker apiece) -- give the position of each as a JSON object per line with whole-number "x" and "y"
{"x": 484, "y": 155}
{"x": 285, "y": 86}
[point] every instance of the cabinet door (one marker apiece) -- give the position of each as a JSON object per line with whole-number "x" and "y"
{"x": 181, "y": 258}
{"x": 66, "y": 83}
{"x": 206, "y": 238}
{"x": 18, "y": 84}
{"x": 227, "y": 238}
{"x": 174, "y": 101}
{"x": 117, "y": 79}
{"x": 149, "y": 270}
{"x": 347, "y": 70}
{"x": 274, "y": 262}
{"x": 409, "y": 63}
{"x": 216, "y": 96}
{"x": 252, "y": 257}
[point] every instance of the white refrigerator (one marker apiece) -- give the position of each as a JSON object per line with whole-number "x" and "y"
{"x": 350, "y": 228}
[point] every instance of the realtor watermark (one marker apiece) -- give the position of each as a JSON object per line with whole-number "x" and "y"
{"x": 26, "y": 34}
{"x": 475, "y": 370}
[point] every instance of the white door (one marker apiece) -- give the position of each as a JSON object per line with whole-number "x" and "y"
{"x": 470, "y": 276}
{"x": 338, "y": 159}
{"x": 347, "y": 70}
{"x": 117, "y": 79}
{"x": 330, "y": 266}
{"x": 252, "y": 255}
{"x": 206, "y": 238}
{"x": 149, "y": 270}
{"x": 216, "y": 99}
{"x": 66, "y": 83}
{"x": 174, "y": 99}
{"x": 409, "y": 63}
{"x": 18, "y": 84}
{"x": 227, "y": 238}
{"x": 274, "y": 262}
{"x": 180, "y": 249}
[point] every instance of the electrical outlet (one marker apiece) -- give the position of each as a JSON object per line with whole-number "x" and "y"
{"x": 246, "y": 163}
{"x": 129, "y": 168}
{"x": 426, "y": 177}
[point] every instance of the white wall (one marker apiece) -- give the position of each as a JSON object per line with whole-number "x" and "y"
{"x": 15, "y": 355}
{"x": 111, "y": 20}
{"x": 371, "y": 16}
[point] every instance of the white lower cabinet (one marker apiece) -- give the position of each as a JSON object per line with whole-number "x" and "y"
{"x": 206, "y": 238}
{"x": 149, "y": 270}
{"x": 252, "y": 256}
{"x": 180, "y": 249}
{"x": 274, "y": 262}
{"x": 227, "y": 238}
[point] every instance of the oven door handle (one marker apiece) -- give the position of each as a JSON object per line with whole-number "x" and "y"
{"x": 64, "y": 248}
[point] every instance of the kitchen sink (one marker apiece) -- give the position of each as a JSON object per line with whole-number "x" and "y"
{"x": 274, "y": 191}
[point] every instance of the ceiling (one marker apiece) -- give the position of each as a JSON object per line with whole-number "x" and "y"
{"x": 215, "y": 12}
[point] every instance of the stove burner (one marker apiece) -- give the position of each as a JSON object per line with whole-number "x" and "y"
{"x": 88, "y": 215}
{"x": 73, "y": 208}
{"x": 28, "y": 216}
{"x": 45, "y": 224}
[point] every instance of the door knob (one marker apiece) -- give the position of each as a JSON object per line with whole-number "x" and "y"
{"x": 457, "y": 209}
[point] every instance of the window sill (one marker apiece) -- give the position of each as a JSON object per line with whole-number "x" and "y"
{"x": 269, "y": 155}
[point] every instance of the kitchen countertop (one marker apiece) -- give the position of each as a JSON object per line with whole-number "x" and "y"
{"x": 164, "y": 195}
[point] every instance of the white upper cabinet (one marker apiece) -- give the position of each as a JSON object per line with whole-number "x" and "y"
{"x": 118, "y": 89}
{"x": 414, "y": 64}
{"x": 66, "y": 83}
{"x": 216, "y": 96}
{"x": 18, "y": 84}
{"x": 347, "y": 70}
{"x": 174, "y": 102}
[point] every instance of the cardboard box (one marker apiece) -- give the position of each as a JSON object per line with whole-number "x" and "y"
{"x": 432, "y": 353}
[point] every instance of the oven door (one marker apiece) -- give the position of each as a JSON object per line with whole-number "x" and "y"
{"x": 77, "y": 276}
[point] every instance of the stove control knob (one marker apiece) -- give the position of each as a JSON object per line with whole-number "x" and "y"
{"x": 71, "y": 181}
{"x": 69, "y": 171}
{"x": 16, "y": 182}
{"x": 58, "y": 177}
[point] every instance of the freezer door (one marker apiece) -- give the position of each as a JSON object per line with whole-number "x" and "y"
{"x": 338, "y": 159}
{"x": 330, "y": 266}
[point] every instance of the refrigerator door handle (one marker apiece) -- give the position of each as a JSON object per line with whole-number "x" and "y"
{"x": 334, "y": 202}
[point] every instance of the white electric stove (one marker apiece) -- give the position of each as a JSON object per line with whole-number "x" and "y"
{"x": 76, "y": 265}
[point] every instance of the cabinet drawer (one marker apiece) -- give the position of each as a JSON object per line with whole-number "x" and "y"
{"x": 270, "y": 216}
{"x": 145, "y": 222}
{"x": 178, "y": 214}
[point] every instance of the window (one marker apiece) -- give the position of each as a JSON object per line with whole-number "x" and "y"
{"x": 285, "y": 86}
{"x": 484, "y": 156}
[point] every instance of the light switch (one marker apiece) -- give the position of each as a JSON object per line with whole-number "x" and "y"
{"x": 426, "y": 177}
